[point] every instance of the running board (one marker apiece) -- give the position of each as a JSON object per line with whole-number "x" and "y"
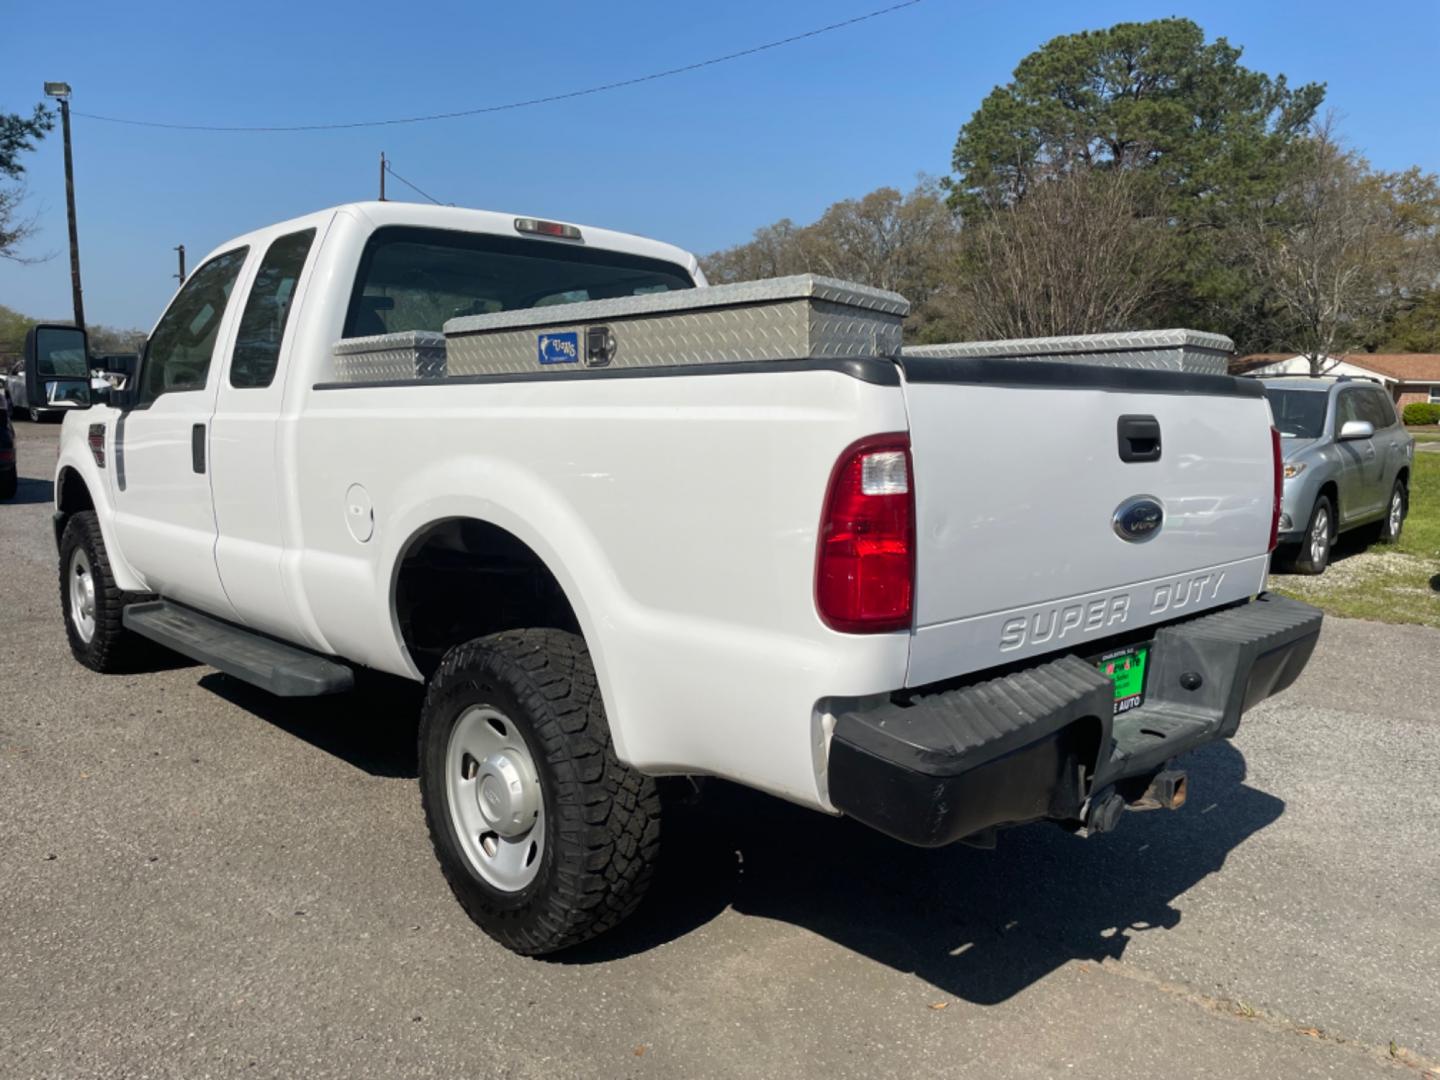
{"x": 284, "y": 670}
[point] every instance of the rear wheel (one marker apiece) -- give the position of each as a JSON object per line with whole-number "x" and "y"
{"x": 543, "y": 835}
{"x": 1395, "y": 512}
{"x": 1314, "y": 554}
{"x": 9, "y": 481}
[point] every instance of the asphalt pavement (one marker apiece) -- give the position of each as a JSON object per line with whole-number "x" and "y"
{"x": 197, "y": 880}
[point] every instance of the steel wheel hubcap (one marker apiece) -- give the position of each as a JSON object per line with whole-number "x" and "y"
{"x": 82, "y": 595}
{"x": 496, "y": 805}
{"x": 1320, "y": 537}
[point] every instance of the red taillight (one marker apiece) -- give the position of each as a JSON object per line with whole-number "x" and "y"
{"x": 1279, "y": 487}
{"x": 7, "y": 457}
{"x": 865, "y": 570}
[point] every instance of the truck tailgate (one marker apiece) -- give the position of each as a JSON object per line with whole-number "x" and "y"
{"x": 1020, "y": 478}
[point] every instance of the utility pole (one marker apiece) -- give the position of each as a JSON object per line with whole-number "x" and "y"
{"x": 180, "y": 248}
{"x": 61, "y": 92}
{"x": 382, "y": 175}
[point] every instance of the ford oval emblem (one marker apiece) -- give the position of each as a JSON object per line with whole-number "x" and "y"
{"x": 1138, "y": 519}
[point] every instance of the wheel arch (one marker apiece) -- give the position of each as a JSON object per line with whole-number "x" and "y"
{"x": 1330, "y": 489}
{"x": 459, "y": 577}
{"x": 72, "y": 495}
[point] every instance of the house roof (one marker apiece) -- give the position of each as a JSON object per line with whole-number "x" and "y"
{"x": 1407, "y": 367}
{"x": 1404, "y": 367}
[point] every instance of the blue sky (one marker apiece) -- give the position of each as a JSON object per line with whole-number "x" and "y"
{"x": 700, "y": 159}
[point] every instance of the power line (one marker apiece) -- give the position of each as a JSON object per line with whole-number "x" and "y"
{"x": 515, "y": 104}
{"x": 411, "y": 186}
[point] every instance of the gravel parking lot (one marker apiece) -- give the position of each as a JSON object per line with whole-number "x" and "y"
{"x": 198, "y": 880}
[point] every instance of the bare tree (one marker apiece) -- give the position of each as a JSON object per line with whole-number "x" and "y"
{"x": 774, "y": 251}
{"x": 1080, "y": 254}
{"x": 1339, "y": 247}
{"x": 895, "y": 241}
{"x": 15, "y": 228}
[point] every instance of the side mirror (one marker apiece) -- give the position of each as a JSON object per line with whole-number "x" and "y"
{"x": 1356, "y": 429}
{"x": 57, "y": 367}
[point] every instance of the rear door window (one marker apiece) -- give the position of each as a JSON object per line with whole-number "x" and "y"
{"x": 267, "y": 310}
{"x": 416, "y": 279}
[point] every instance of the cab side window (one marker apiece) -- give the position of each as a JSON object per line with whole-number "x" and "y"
{"x": 267, "y": 310}
{"x": 1347, "y": 408}
{"x": 177, "y": 357}
{"x": 1369, "y": 407}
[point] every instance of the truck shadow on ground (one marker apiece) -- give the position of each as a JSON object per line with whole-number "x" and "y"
{"x": 372, "y": 728}
{"x": 979, "y": 925}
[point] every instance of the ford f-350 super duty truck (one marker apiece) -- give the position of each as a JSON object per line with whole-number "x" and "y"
{"x": 626, "y": 526}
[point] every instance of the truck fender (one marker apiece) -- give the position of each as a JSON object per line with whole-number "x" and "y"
{"x": 77, "y": 467}
{"x": 526, "y": 506}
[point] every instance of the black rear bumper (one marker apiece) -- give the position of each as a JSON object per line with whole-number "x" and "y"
{"x": 1038, "y": 743}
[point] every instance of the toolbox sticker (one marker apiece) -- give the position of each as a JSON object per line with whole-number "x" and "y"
{"x": 560, "y": 348}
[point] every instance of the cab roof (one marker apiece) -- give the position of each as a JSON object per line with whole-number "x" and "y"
{"x": 461, "y": 219}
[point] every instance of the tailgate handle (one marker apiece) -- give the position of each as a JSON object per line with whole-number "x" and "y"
{"x": 1139, "y": 438}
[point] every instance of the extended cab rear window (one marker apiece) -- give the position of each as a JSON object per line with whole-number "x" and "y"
{"x": 416, "y": 279}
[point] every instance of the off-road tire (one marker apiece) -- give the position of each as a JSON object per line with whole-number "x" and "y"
{"x": 1308, "y": 560}
{"x": 113, "y": 648}
{"x": 1391, "y": 534}
{"x": 602, "y": 818}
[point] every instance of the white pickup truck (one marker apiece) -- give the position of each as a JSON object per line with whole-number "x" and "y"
{"x": 626, "y": 527}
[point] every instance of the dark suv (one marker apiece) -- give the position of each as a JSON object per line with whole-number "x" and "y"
{"x": 8, "y": 474}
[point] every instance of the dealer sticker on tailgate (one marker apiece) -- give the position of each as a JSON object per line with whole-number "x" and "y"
{"x": 1126, "y": 669}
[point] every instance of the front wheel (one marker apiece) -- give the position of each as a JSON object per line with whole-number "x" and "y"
{"x": 92, "y": 602}
{"x": 1314, "y": 554}
{"x": 1395, "y": 511}
{"x": 545, "y": 837}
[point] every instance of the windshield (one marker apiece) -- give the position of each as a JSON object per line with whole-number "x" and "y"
{"x": 416, "y": 279}
{"x": 1299, "y": 414}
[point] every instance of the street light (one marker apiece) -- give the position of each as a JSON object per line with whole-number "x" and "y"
{"x": 60, "y": 91}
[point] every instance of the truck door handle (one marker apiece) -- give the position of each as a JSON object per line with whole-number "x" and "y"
{"x": 197, "y": 448}
{"x": 1139, "y": 438}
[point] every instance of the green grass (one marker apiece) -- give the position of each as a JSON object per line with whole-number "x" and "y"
{"x": 1394, "y": 584}
{"x": 1425, "y": 434}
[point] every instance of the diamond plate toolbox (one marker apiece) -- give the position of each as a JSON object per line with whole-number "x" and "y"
{"x": 1162, "y": 350}
{"x": 791, "y": 318}
{"x": 414, "y": 354}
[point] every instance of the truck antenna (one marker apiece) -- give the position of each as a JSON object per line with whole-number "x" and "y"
{"x": 382, "y": 175}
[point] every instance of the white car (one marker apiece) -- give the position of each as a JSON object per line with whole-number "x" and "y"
{"x": 625, "y": 526}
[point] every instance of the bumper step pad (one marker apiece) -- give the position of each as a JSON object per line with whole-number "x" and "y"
{"x": 1034, "y": 744}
